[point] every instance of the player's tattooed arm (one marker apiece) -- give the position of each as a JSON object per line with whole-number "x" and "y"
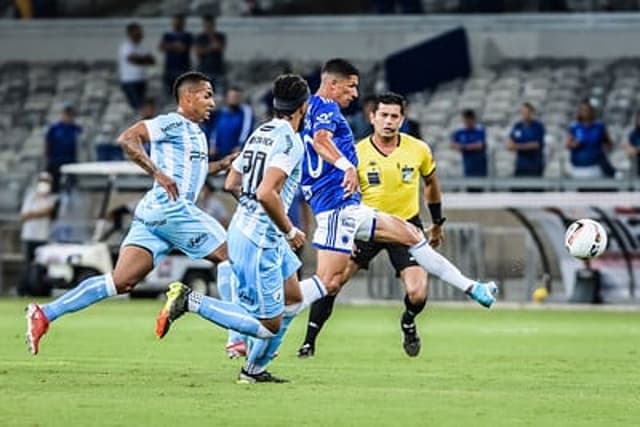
{"x": 222, "y": 164}
{"x": 131, "y": 141}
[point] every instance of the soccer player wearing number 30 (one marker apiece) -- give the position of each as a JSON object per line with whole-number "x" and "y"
{"x": 331, "y": 186}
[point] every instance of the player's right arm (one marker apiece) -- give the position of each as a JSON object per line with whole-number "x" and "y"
{"x": 131, "y": 141}
{"x": 323, "y": 145}
{"x": 268, "y": 195}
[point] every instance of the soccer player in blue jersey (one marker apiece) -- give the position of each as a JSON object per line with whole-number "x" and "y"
{"x": 166, "y": 217}
{"x": 330, "y": 184}
{"x": 261, "y": 237}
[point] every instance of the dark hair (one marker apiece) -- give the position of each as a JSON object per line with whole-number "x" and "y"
{"x": 132, "y": 26}
{"x": 341, "y": 67}
{"x": 188, "y": 77}
{"x": 469, "y": 114}
{"x": 180, "y": 16}
{"x": 529, "y": 106}
{"x": 391, "y": 98}
{"x": 290, "y": 91}
{"x": 234, "y": 88}
{"x": 208, "y": 18}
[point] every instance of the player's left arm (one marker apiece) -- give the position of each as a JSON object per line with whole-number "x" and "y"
{"x": 606, "y": 140}
{"x": 222, "y": 164}
{"x": 433, "y": 197}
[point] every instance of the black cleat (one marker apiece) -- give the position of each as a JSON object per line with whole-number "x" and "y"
{"x": 263, "y": 377}
{"x": 306, "y": 351}
{"x": 411, "y": 341}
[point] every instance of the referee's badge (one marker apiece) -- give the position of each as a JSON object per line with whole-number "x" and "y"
{"x": 373, "y": 177}
{"x": 407, "y": 174}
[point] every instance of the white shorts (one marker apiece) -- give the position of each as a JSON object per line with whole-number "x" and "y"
{"x": 337, "y": 229}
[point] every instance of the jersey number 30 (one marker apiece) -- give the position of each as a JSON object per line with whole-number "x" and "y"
{"x": 252, "y": 169}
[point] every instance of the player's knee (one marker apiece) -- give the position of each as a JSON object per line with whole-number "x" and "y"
{"x": 417, "y": 295}
{"x": 273, "y": 325}
{"x": 125, "y": 286}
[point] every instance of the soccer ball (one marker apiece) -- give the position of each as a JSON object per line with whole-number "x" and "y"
{"x": 585, "y": 239}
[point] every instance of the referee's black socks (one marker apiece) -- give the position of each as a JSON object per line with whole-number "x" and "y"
{"x": 411, "y": 310}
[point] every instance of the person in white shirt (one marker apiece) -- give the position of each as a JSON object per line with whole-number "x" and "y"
{"x": 133, "y": 58}
{"x": 35, "y": 215}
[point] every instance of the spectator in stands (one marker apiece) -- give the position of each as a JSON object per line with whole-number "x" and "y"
{"x": 210, "y": 46}
{"x": 133, "y": 58}
{"x": 633, "y": 144}
{"x": 470, "y": 141}
{"x": 410, "y": 126}
{"x": 230, "y": 126}
{"x": 391, "y": 6}
{"x": 527, "y": 140}
{"x": 176, "y": 46}
{"x": 37, "y": 208}
{"x": 589, "y": 141}
{"x": 360, "y": 122}
{"x": 61, "y": 144}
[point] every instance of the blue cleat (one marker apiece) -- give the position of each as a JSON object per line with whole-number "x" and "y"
{"x": 483, "y": 293}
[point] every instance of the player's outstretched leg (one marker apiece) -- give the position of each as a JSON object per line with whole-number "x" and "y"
{"x": 88, "y": 292}
{"x": 180, "y": 299}
{"x": 394, "y": 230}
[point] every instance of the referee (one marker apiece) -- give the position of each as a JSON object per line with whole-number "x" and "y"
{"x": 390, "y": 167}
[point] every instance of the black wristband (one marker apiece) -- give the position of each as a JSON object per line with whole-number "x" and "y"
{"x": 435, "y": 209}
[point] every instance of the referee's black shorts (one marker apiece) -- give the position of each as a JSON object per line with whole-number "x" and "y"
{"x": 398, "y": 254}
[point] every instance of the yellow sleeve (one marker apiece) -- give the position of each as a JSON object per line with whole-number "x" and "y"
{"x": 428, "y": 165}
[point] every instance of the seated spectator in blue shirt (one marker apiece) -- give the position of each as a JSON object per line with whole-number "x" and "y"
{"x": 61, "y": 145}
{"x": 176, "y": 46}
{"x": 527, "y": 140}
{"x": 633, "y": 144}
{"x": 470, "y": 140}
{"x": 229, "y": 127}
{"x": 589, "y": 141}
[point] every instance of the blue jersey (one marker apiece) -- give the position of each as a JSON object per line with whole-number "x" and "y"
{"x": 529, "y": 161}
{"x": 474, "y": 162}
{"x": 274, "y": 144}
{"x": 179, "y": 150}
{"x": 321, "y": 181}
{"x": 590, "y": 138}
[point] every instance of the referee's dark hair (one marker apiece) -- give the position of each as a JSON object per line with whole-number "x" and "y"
{"x": 290, "y": 91}
{"x": 190, "y": 77}
{"x": 341, "y": 67}
{"x": 391, "y": 98}
{"x": 469, "y": 114}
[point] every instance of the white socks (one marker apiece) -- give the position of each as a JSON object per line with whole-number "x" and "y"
{"x": 312, "y": 289}
{"x": 439, "y": 266}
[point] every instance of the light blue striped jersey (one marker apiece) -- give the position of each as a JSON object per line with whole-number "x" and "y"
{"x": 179, "y": 150}
{"x": 274, "y": 144}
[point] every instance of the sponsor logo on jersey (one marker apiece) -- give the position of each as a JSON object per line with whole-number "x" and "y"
{"x": 198, "y": 240}
{"x": 324, "y": 118}
{"x": 171, "y": 126}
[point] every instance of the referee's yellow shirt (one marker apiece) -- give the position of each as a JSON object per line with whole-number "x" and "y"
{"x": 391, "y": 183}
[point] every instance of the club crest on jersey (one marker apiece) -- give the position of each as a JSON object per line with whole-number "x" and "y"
{"x": 324, "y": 117}
{"x": 407, "y": 174}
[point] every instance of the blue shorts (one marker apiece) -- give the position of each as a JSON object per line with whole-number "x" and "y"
{"x": 261, "y": 273}
{"x": 159, "y": 228}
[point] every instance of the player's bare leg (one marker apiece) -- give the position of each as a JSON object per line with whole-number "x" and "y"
{"x": 395, "y": 230}
{"x": 415, "y": 285}
{"x": 134, "y": 263}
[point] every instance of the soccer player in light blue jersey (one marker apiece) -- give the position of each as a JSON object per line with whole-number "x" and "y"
{"x": 330, "y": 185}
{"x": 261, "y": 238}
{"x": 166, "y": 217}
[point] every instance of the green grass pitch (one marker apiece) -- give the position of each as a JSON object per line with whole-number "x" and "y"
{"x": 104, "y": 367}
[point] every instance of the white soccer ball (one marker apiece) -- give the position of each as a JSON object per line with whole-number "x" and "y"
{"x": 585, "y": 239}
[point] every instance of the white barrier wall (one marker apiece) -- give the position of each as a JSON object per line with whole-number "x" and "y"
{"x": 595, "y": 36}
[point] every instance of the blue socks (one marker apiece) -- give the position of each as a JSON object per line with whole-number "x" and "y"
{"x": 227, "y": 286}
{"x": 88, "y": 292}
{"x": 227, "y": 315}
{"x": 261, "y": 351}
